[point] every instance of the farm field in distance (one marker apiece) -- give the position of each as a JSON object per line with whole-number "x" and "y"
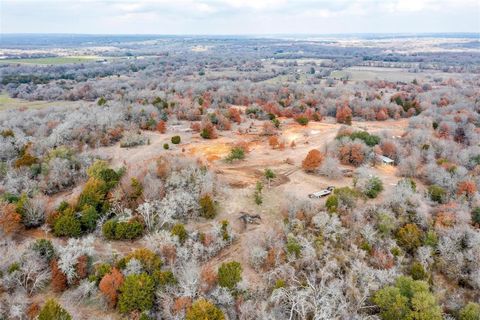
{"x": 50, "y": 60}
{"x": 7, "y": 102}
{"x": 224, "y": 177}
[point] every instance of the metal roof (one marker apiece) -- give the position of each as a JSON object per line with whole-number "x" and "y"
{"x": 386, "y": 159}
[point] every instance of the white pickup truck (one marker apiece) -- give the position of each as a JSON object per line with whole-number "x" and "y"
{"x": 321, "y": 193}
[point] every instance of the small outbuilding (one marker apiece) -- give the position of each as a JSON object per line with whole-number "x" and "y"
{"x": 385, "y": 160}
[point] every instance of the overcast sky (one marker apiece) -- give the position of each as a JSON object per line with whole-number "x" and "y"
{"x": 239, "y": 16}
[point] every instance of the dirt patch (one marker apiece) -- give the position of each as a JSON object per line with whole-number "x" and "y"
{"x": 211, "y": 151}
{"x": 238, "y": 184}
{"x": 279, "y": 180}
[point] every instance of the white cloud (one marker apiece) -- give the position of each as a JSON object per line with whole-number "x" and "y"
{"x": 239, "y": 16}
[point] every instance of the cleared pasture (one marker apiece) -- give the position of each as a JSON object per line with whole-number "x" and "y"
{"x": 7, "y": 103}
{"x": 389, "y": 74}
{"x": 51, "y": 60}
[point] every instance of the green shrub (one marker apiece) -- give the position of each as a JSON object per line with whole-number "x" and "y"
{"x": 88, "y": 218}
{"x": 166, "y": 146}
{"x": 369, "y": 139}
{"x": 229, "y": 274}
{"x": 365, "y": 245}
{"x": 44, "y": 248}
{"x": 204, "y": 310}
{"x": 269, "y": 174}
{"x": 129, "y": 230}
{"x": 276, "y": 123}
{"x": 144, "y": 316}
{"x": 302, "y": 120}
{"x": 374, "y": 187}
{"x": 431, "y": 238}
{"x": 409, "y": 237}
{"x": 136, "y": 189}
{"x": 396, "y": 251}
{"x": 63, "y": 206}
{"x": 94, "y": 170}
{"x": 151, "y": 123}
{"x": 176, "y": 139}
{"x": 179, "y": 231}
{"x": 385, "y": 223}
{"x": 224, "y": 229}
{"x": 437, "y": 193}
{"x": 149, "y": 260}
{"x": 332, "y": 203}
{"x": 101, "y": 101}
{"x": 164, "y": 278}
{"x": 257, "y": 195}
{"x": 476, "y": 215}
{"x": 53, "y": 311}
{"x": 123, "y": 230}
{"x": 67, "y": 225}
{"x": 136, "y": 293}
{"x": 347, "y": 197}
{"x": 108, "y": 229}
{"x": 10, "y": 197}
{"x": 100, "y": 271}
{"x": 100, "y": 170}
{"x": 208, "y": 208}
{"x": 470, "y": 312}
{"x": 408, "y": 299}
{"x": 110, "y": 177}
{"x": 13, "y": 267}
{"x": 417, "y": 271}
{"x": 93, "y": 194}
{"x": 236, "y": 153}
{"x": 293, "y": 247}
{"x": 62, "y": 152}
{"x": 280, "y": 283}
{"x": 206, "y": 133}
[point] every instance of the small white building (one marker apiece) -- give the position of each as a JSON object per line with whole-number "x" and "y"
{"x": 385, "y": 160}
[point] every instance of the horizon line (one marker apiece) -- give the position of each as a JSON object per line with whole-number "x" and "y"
{"x": 243, "y": 34}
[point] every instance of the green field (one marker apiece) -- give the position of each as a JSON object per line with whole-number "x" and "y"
{"x": 11, "y": 103}
{"x": 51, "y": 60}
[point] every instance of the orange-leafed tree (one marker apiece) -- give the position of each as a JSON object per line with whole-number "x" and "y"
{"x": 389, "y": 149}
{"x": 234, "y": 115}
{"x": 110, "y": 284}
{"x": 82, "y": 267}
{"x": 9, "y": 218}
{"x": 312, "y": 161}
{"x": 181, "y": 304}
{"x": 467, "y": 188}
{"x": 59, "y": 279}
{"x": 381, "y": 115}
{"x": 344, "y": 114}
{"x": 273, "y": 142}
{"x": 209, "y": 279}
{"x": 161, "y": 126}
{"x": 351, "y": 154}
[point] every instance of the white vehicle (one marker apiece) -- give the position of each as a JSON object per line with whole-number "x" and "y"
{"x": 321, "y": 193}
